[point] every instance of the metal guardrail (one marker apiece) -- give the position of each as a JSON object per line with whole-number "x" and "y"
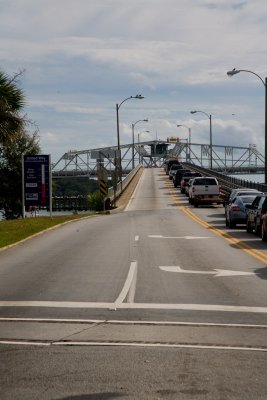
{"x": 228, "y": 182}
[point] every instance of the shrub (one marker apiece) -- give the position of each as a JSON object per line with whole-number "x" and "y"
{"x": 96, "y": 201}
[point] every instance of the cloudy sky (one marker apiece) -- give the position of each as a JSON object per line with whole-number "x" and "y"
{"x": 82, "y": 57}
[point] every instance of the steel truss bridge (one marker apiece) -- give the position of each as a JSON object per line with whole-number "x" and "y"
{"x": 226, "y": 159}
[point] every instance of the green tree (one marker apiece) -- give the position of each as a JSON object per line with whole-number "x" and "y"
{"x": 11, "y": 171}
{"x": 12, "y": 101}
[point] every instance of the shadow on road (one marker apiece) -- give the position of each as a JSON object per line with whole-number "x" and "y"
{"x": 261, "y": 272}
{"x": 94, "y": 396}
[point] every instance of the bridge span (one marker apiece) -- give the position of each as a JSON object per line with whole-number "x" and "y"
{"x": 225, "y": 159}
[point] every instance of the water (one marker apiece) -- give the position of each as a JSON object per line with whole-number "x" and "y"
{"x": 258, "y": 178}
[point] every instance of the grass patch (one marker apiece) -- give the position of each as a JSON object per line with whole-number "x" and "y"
{"x": 13, "y": 231}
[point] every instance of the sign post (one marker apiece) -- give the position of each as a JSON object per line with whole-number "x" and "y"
{"x": 37, "y": 182}
{"x": 102, "y": 175}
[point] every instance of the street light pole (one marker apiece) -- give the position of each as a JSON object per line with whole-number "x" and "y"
{"x": 133, "y": 125}
{"x": 236, "y": 71}
{"x": 189, "y": 141}
{"x": 118, "y": 158}
{"x": 209, "y": 116}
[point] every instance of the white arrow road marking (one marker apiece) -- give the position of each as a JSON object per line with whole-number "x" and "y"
{"x": 179, "y": 237}
{"x": 215, "y": 272}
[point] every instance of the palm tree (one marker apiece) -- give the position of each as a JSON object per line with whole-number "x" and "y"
{"x": 12, "y": 101}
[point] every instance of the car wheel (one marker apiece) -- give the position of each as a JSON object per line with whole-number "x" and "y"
{"x": 263, "y": 234}
{"x": 195, "y": 204}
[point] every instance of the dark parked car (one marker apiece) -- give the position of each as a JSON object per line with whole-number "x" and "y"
{"x": 264, "y": 228}
{"x": 186, "y": 178}
{"x": 173, "y": 170}
{"x": 178, "y": 176}
{"x": 255, "y": 213}
{"x": 237, "y": 211}
{"x": 168, "y": 164}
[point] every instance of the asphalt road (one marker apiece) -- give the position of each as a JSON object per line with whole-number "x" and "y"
{"x": 157, "y": 301}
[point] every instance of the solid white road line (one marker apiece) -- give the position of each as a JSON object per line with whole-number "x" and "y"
{"x": 128, "y": 322}
{"x": 133, "y": 306}
{"x": 131, "y": 344}
{"x": 181, "y": 346}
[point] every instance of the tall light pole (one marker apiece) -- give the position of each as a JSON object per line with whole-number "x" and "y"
{"x": 236, "y": 71}
{"x": 140, "y": 133}
{"x": 209, "y": 116}
{"x": 133, "y": 125}
{"x": 138, "y": 96}
{"x": 189, "y": 140}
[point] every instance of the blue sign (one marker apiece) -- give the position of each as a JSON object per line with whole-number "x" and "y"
{"x": 37, "y": 180}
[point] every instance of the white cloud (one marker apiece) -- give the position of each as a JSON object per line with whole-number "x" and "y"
{"x": 82, "y": 57}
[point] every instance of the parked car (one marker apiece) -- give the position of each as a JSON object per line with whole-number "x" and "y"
{"x": 205, "y": 190}
{"x": 169, "y": 163}
{"x": 188, "y": 186}
{"x": 241, "y": 192}
{"x": 185, "y": 179}
{"x": 178, "y": 176}
{"x": 257, "y": 209}
{"x": 173, "y": 170}
{"x": 264, "y": 228}
{"x": 236, "y": 212}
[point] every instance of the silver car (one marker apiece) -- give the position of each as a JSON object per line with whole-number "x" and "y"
{"x": 236, "y": 212}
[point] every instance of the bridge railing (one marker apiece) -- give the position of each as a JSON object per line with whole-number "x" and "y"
{"x": 228, "y": 182}
{"x": 121, "y": 186}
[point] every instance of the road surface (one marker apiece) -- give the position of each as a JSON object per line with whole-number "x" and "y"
{"x": 157, "y": 301}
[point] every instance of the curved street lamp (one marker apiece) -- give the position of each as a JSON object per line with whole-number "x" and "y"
{"x": 209, "y": 116}
{"x": 236, "y": 71}
{"x": 133, "y": 125}
{"x": 189, "y": 140}
{"x": 118, "y": 106}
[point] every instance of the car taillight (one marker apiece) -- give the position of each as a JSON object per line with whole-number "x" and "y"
{"x": 235, "y": 208}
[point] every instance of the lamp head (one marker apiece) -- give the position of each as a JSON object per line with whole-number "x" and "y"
{"x": 233, "y": 72}
{"x": 145, "y": 120}
{"x": 138, "y": 96}
{"x": 193, "y": 112}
